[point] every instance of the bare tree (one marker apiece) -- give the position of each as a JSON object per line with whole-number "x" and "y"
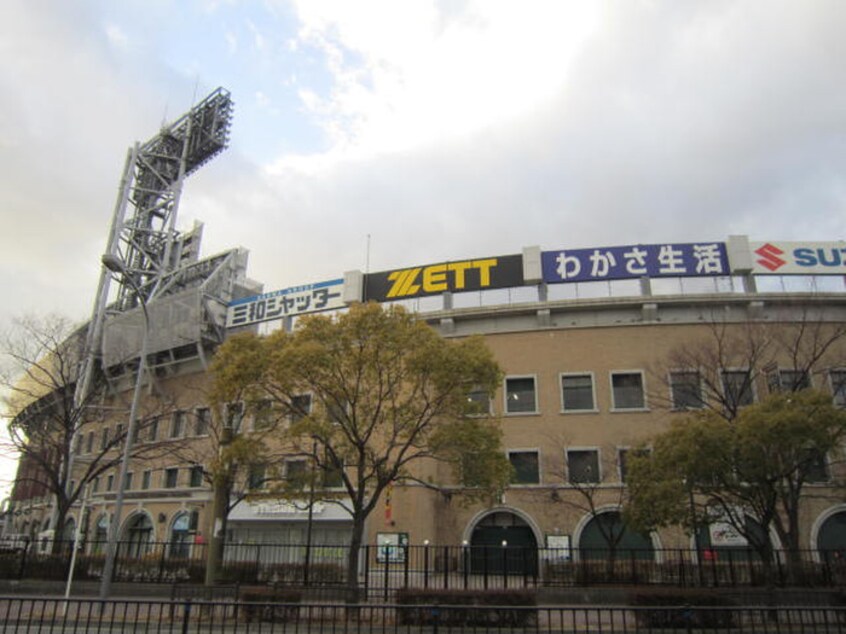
{"x": 58, "y": 434}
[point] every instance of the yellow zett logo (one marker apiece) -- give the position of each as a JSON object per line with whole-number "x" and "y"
{"x": 438, "y": 278}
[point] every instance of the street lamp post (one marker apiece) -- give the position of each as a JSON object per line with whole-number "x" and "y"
{"x": 114, "y": 264}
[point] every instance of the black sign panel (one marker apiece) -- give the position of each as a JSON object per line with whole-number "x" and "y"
{"x": 434, "y": 279}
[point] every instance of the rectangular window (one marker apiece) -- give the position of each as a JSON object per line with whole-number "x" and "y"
{"x": 332, "y": 478}
{"x": 788, "y": 381}
{"x": 263, "y": 417}
{"x": 337, "y": 412}
{"x": 815, "y": 466}
{"x": 296, "y": 471}
{"x": 104, "y": 440}
{"x": 202, "y": 420}
{"x": 79, "y": 438}
{"x": 300, "y": 407}
{"x": 623, "y": 456}
{"x": 478, "y": 402}
{"x": 520, "y": 395}
{"x": 577, "y": 393}
{"x": 127, "y": 483}
{"x": 177, "y": 425}
{"x": 627, "y": 390}
{"x": 118, "y": 433}
{"x": 153, "y": 431}
{"x": 136, "y": 433}
{"x": 145, "y": 479}
{"x": 90, "y": 445}
{"x": 737, "y": 388}
{"x": 110, "y": 482}
{"x": 95, "y": 487}
{"x": 257, "y": 477}
{"x": 838, "y": 386}
{"x": 686, "y": 389}
{"x": 234, "y": 414}
{"x": 196, "y": 476}
{"x": 526, "y": 467}
{"x": 583, "y": 466}
{"x": 171, "y": 478}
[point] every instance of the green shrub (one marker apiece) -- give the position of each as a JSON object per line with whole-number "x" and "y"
{"x": 484, "y": 608}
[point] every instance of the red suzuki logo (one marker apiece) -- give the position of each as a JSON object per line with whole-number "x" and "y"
{"x": 769, "y": 257}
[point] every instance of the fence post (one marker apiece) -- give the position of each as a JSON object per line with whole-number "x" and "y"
{"x": 405, "y": 565}
{"x": 367, "y": 570}
{"x": 186, "y": 616}
{"x": 426, "y": 564}
{"x": 162, "y": 561}
{"x": 24, "y": 554}
{"x": 485, "y": 566}
{"x": 504, "y": 565}
{"x": 387, "y": 570}
{"x": 465, "y": 553}
{"x": 446, "y": 567}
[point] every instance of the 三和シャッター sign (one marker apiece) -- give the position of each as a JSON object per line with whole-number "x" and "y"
{"x": 298, "y": 300}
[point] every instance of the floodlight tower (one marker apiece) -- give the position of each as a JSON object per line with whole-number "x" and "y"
{"x": 143, "y": 237}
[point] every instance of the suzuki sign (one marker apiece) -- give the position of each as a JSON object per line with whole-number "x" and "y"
{"x": 798, "y": 258}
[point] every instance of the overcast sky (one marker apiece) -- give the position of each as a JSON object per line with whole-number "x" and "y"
{"x": 443, "y": 129}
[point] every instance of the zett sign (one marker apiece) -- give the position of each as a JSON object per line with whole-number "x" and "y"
{"x": 798, "y": 258}
{"x": 433, "y": 279}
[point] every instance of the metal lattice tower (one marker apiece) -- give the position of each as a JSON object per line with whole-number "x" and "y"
{"x": 145, "y": 239}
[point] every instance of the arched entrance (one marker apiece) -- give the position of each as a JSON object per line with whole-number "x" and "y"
{"x": 182, "y": 531}
{"x": 605, "y": 536}
{"x": 137, "y": 535}
{"x": 503, "y": 543}
{"x": 831, "y": 538}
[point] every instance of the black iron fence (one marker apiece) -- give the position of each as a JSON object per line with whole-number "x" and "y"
{"x": 57, "y": 616}
{"x": 383, "y": 569}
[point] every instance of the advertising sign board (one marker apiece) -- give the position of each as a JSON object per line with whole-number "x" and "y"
{"x": 633, "y": 261}
{"x": 798, "y": 258}
{"x": 298, "y": 300}
{"x": 434, "y": 279}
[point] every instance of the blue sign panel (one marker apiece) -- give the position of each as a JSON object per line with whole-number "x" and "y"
{"x": 639, "y": 260}
{"x": 299, "y": 300}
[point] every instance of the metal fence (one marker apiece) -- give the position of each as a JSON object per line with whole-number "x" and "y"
{"x": 385, "y": 569}
{"x": 57, "y": 616}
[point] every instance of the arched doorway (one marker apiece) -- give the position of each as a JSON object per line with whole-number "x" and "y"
{"x": 503, "y": 543}
{"x": 831, "y": 538}
{"x": 182, "y": 531}
{"x": 605, "y": 536}
{"x": 137, "y": 535}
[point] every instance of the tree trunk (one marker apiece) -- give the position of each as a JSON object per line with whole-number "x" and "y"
{"x": 352, "y": 589}
{"x": 214, "y": 556}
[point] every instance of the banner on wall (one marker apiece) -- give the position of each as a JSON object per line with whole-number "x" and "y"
{"x": 634, "y": 261}
{"x": 798, "y": 258}
{"x": 289, "y": 302}
{"x": 433, "y": 279}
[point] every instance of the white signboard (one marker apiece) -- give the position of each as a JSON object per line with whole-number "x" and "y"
{"x": 798, "y": 258}
{"x": 289, "y": 302}
{"x": 724, "y": 534}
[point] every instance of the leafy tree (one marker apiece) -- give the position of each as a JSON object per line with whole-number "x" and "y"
{"x": 46, "y": 414}
{"x": 757, "y": 465}
{"x": 389, "y": 400}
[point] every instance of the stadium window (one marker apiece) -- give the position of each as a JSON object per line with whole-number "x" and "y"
{"x": 195, "y": 476}
{"x": 627, "y": 390}
{"x": 145, "y": 479}
{"x": 263, "y": 415}
{"x": 153, "y": 431}
{"x": 234, "y": 413}
{"x": 177, "y": 424}
{"x": 257, "y": 477}
{"x": 583, "y": 466}
{"x": 171, "y": 478}
{"x": 89, "y": 446}
{"x": 781, "y": 380}
{"x": 686, "y": 389}
{"x": 737, "y": 388}
{"x": 526, "y": 467}
{"x": 300, "y": 407}
{"x": 110, "y": 482}
{"x": 104, "y": 440}
{"x": 478, "y": 402}
{"x": 577, "y": 393}
{"x": 520, "y": 397}
{"x": 202, "y": 420}
{"x": 837, "y": 379}
{"x": 815, "y": 466}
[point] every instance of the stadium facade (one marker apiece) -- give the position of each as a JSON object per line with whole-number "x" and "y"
{"x": 592, "y": 342}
